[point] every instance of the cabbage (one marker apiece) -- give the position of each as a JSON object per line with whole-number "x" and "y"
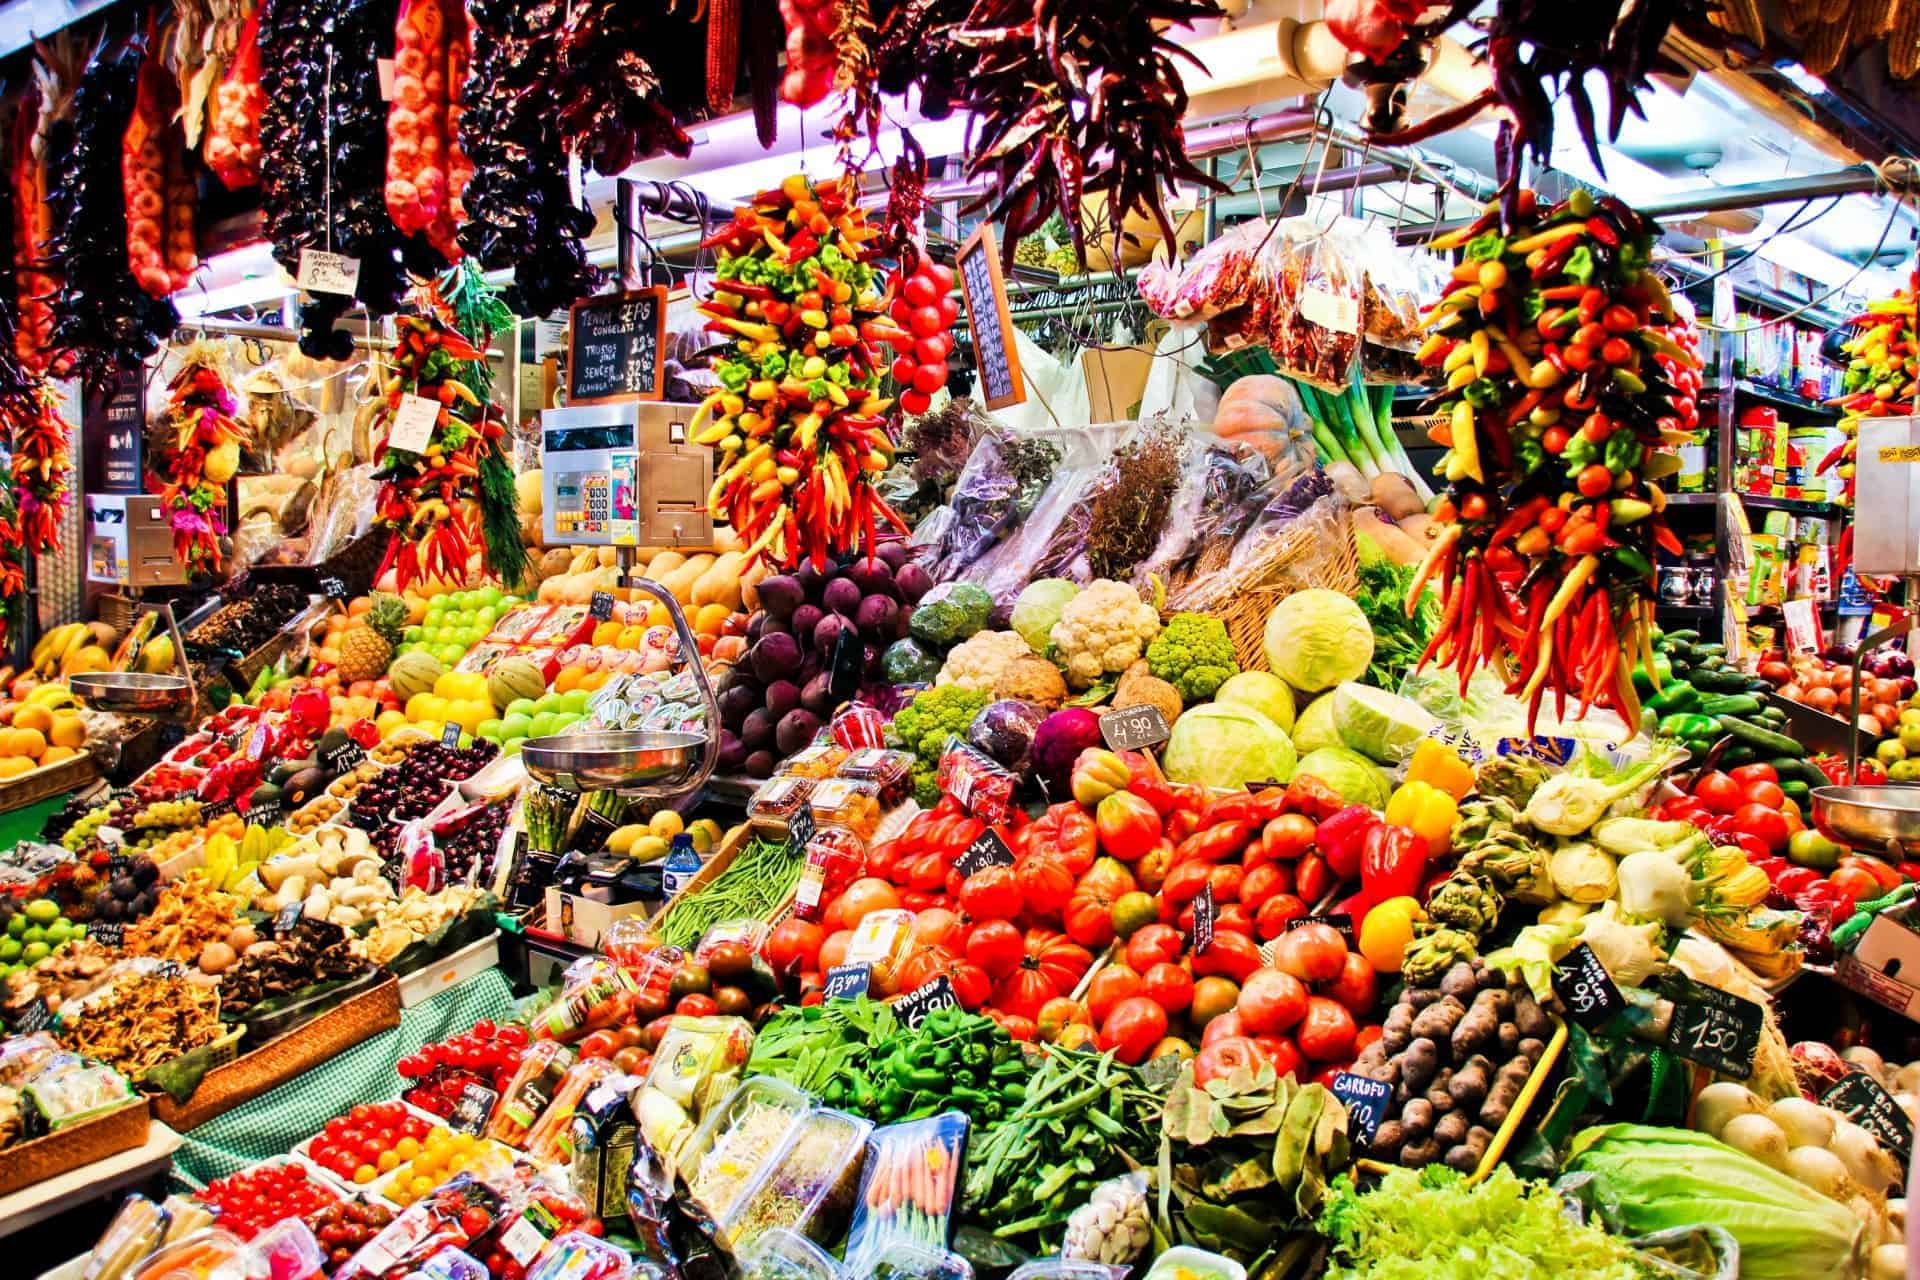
{"x": 1356, "y": 778}
{"x": 1222, "y": 744}
{"x": 909, "y": 662}
{"x": 1038, "y": 607}
{"x": 1265, "y": 692}
{"x": 1314, "y": 728}
{"x": 1316, "y": 638}
{"x": 1377, "y": 723}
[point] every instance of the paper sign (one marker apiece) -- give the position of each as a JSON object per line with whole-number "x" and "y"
{"x": 413, "y": 424}
{"x": 913, "y": 1007}
{"x": 1803, "y": 626}
{"x": 987, "y": 850}
{"x": 848, "y": 981}
{"x": 1134, "y": 728}
{"x": 1336, "y": 311}
{"x": 327, "y": 272}
{"x": 450, "y": 733}
{"x": 383, "y": 67}
{"x": 1900, "y": 453}
{"x": 1586, "y": 988}
{"x": 1339, "y": 921}
{"x": 1716, "y": 1029}
{"x": 1366, "y": 1101}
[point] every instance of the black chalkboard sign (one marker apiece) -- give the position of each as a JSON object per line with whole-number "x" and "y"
{"x": 601, "y": 607}
{"x": 35, "y": 1017}
{"x": 984, "y": 290}
{"x": 1366, "y": 1101}
{"x": 450, "y": 733}
{"x": 987, "y": 850}
{"x": 1338, "y": 921}
{"x": 332, "y": 588}
{"x": 1716, "y": 1029}
{"x": 1586, "y": 988}
{"x": 108, "y": 933}
{"x": 913, "y": 1007}
{"x": 267, "y": 813}
{"x": 348, "y": 755}
{"x": 614, "y": 347}
{"x": 1860, "y": 1098}
{"x": 1134, "y": 728}
{"x": 800, "y": 828}
{"x": 1206, "y": 913}
{"x": 471, "y": 1112}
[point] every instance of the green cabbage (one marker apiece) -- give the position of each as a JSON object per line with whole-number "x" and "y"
{"x": 1314, "y": 729}
{"x": 1038, "y": 607}
{"x": 1356, "y": 778}
{"x": 1378, "y": 724}
{"x": 1265, "y": 692}
{"x": 1225, "y": 745}
{"x": 1316, "y": 638}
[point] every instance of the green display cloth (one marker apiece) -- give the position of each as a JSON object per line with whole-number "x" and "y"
{"x": 25, "y": 824}
{"x": 275, "y": 1122}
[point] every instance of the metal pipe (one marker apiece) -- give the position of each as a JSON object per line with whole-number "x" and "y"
{"x": 278, "y": 333}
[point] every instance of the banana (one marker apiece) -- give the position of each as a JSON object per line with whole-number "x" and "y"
{"x": 55, "y": 645}
{"x": 54, "y": 697}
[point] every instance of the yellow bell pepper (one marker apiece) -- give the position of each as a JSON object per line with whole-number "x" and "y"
{"x": 1440, "y": 765}
{"x": 1425, "y": 810}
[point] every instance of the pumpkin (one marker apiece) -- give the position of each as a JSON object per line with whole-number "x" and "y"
{"x": 1263, "y": 406}
{"x": 515, "y": 678}
{"x": 413, "y": 673}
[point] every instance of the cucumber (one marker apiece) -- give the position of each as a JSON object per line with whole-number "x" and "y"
{"x": 1718, "y": 681}
{"x": 1738, "y": 754}
{"x": 1799, "y": 770}
{"x": 1774, "y": 744}
{"x": 1730, "y": 704}
{"x": 1774, "y": 716}
{"x": 1685, "y": 635}
{"x": 1703, "y": 662}
{"x": 1712, "y": 650}
{"x": 1795, "y": 790}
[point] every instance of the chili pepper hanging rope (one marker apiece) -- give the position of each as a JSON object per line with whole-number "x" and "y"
{"x": 1883, "y": 372}
{"x": 42, "y": 467}
{"x": 199, "y": 452}
{"x": 1544, "y": 354}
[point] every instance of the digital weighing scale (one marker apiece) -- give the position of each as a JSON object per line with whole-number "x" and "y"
{"x": 130, "y": 541}
{"x": 624, "y": 475}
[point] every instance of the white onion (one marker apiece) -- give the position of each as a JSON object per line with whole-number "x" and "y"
{"x": 1759, "y": 1137}
{"x": 1867, "y": 1163}
{"x": 1867, "y": 1060}
{"x": 1721, "y": 1102}
{"x": 1897, "y": 1216}
{"x": 1888, "y": 1262}
{"x": 1808, "y": 1124}
{"x": 1821, "y": 1170}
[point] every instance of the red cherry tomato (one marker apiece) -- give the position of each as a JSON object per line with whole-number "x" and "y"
{"x": 940, "y": 274}
{"x": 933, "y": 350}
{"x": 930, "y": 378}
{"x": 919, "y": 291}
{"x": 915, "y": 401}
{"x": 903, "y": 369}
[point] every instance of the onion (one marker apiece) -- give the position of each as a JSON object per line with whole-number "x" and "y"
{"x": 1868, "y": 1061}
{"x": 1820, "y": 1170}
{"x": 1759, "y": 1137}
{"x": 1888, "y": 1262}
{"x": 1866, "y": 1161}
{"x": 1807, "y": 1124}
{"x": 1721, "y": 1102}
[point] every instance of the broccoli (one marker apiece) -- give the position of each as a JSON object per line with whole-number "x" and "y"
{"x": 926, "y": 785}
{"x": 1194, "y": 654}
{"x": 934, "y": 715}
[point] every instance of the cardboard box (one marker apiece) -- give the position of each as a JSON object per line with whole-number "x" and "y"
{"x": 584, "y": 921}
{"x": 1885, "y": 967}
{"x": 1116, "y": 382}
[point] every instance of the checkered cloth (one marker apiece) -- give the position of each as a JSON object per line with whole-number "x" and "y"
{"x": 276, "y": 1122}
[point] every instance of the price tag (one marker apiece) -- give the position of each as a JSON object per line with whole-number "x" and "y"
{"x": 287, "y": 917}
{"x": 1861, "y": 1099}
{"x": 267, "y": 813}
{"x": 601, "y": 608}
{"x": 1335, "y": 311}
{"x": 1366, "y": 1101}
{"x": 987, "y": 850}
{"x": 327, "y": 272}
{"x": 450, "y": 733}
{"x": 1586, "y": 988}
{"x": 800, "y": 827}
{"x": 848, "y": 981}
{"x": 383, "y": 67}
{"x": 108, "y": 933}
{"x": 1716, "y": 1029}
{"x": 35, "y": 1017}
{"x": 1339, "y": 921}
{"x": 471, "y": 1112}
{"x": 413, "y": 424}
{"x": 111, "y": 837}
{"x": 913, "y": 1007}
{"x": 1134, "y": 728}
{"x": 347, "y": 755}
{"x": 332, "y": 588}
{"x": 522, "y": 1241}
{"x": 1266, "y": 784}
{"x": 1205, "y": 913}
{"x": 218, "y": 808}
{"x": 1803, "y": 626}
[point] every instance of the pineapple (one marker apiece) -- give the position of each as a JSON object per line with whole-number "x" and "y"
{"x": 367, "y": 647}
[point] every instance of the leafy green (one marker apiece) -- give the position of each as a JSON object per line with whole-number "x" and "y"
{"x": 1398, "y": 641}
{"x": 1434, "y": 1225}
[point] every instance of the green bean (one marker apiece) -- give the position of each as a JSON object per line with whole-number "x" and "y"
{"x": 757, "y": 880}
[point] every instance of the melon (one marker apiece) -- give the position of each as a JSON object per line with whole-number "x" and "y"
{"x": 414, "y": 672}
{"x": 513, "y": 679}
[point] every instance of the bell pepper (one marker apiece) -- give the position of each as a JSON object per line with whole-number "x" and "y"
{"x": 1097, "y": 774}
{"x": 1439, "y": 765}
{"x": 1393, "y": 861}
{"x": 1425, "y": 810}
{"x": 1340, "y": 837}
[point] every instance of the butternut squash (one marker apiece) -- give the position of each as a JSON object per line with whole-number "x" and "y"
{"x": 663, "y": 564}
{"x": 721, "y": 583}
{"x": 680, "y": 582}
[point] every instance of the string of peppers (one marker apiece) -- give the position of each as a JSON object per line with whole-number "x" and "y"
{"x": 199, "y": 453}
{"x": 798, "y": 419}
{"x": 42, "y": 467}
{"x": 1543, "y": 358}
{"x": 1883, "y": 372}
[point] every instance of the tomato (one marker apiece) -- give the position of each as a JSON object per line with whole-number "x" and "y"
{"x": 1263, "y": 882}
{"x": 1089, "y": 916}
{"x": 1326, "y": 1034}
{"x": 1886, "y": 878}
{"x": 1717, "y": 792}
{"x": 1312, "y": 953}
{"x": 1058, "y": 1014}
{"x": 1763, "y": 791}
{"x": 1153, "y": 944}
{"x": 1270, "y": 921}
{"x": 794, "y": 945}
{"x": 1855, "y": 881}
{"x": 601, "y": 1044}
{"x": 475, "y": 1221}
{"x": 1356, "y": 988}
{"x": 939, "y": 927}
{"x": 1226, "y": 880}
{"x": 1284, "y": 839}
{"x": 1128, "y": 826}
{"x": 1233, "y": 955}
{"x": 1223, "y": 1027}
{"x": 1132, "y": 1028}
{"x": 1019, "y": 1028}
{"x": 1748, "y": 773}
{"x": 1768, "y": 826}
{"x": 996, "y": 946}
{"x": 1051, "y": 966}
{"x": 1109, "y": 987}
{"x": 695, "y": 1006}
{"x": 864, "y": 897}
{"x": 1287, "y": 1059}
{"x": 1169, "y": 986}
{"x": 1224, "y": 1056}
{"x": 1271, "y": 1001}
{"x": 1184, "y": 882}
{"x": 1233, "y": 918}
{"x": 1043, "y": 886}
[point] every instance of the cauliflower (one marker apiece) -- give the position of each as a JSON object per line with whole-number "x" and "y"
{"x": 976, "y": 663}
{"x": 924, "y": 725}
{"x": 1194, "y": 654}
{"x": 1034, "y": 680}
{"x": 1102, "y": 631}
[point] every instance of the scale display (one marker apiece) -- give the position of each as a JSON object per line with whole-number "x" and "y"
{"x": 623, "y": 475}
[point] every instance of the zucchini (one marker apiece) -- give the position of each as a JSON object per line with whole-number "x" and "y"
{"x": 1774, "y": 716}
{"x": 1730, "y": 704}
{"x": 1800, "y": 770}
{"x": 1711, "y": 650}
{"x": 1685, "y": 635}
{"x": 1774, "y": 744}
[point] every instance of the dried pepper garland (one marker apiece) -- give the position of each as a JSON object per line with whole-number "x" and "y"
{"x": 199, "y": 452}
{"x": 1079, "y": 97}
{"x": 1544, "y": 351}
{"x": 42, "y": 466}
{"x": 13, "y": 568}
{"x": 29, "y": 226}
{"x": 614, "y": 110}
{"x": 520, "y": 210}
{"x": 101, "y": 318}
{"x": 799, "y": 420}
{"x": 455, "y": 496}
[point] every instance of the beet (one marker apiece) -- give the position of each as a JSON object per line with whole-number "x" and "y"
{"x": 796, "y": 730}
{"x": 827, "y": 633}
{"x": 782, "y": 697}
{"x": 755, "y": 626}
{"x": 733, "y": 753}
{"x": 757, "y": 732}
{"x": 737, "y": 702}
{"x": 842, "y": 596}
{"x": 870, "y": 660}
{"x": 811, "y": 580}
{"x": 781, "y": 594}
{"x": 874, "y": 578}
{"x": 775, "y": 656}
{"x": 759, "y": 764}
{"x": 810, "y": 666}
{"x": 878, "y": 618}
{"x": 806, "y": 618}
{"x": 817, "y": 694}
{"x": 913, "y": 582}
{"x": 894, "y": 553}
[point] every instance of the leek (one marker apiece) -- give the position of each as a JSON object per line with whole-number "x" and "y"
{"x": 1356, "y": 427}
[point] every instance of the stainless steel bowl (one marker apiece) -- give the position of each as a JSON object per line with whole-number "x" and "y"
{"x": 615, "y": 761}
{"x": 132, "y": 692}
{"x": 1874, "y": 819}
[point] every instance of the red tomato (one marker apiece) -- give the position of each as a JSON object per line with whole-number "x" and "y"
{"x": 1132, "y": 1028}
{"x": 1184, "y": 883}
{"x": 1221, "y": 1058}
{"x": 1747, "y": 773}
{"x": 1226, "y": 880}
{"x": 1763, "y": 791}
{"x": 864, "y": 897}
{"x": 1718, "y": 792}
{"x": 1768, "y": 826}
{"x": 1356, "y": 987}
{"x": 1225, "y": 1026}
{"x": 833, "y": 951}
{"x": 996, "y": 946}
{"x": 1169, "y": 986}
{"x": 794, "y": 945}
{"x": 1232, "y": 955}
{"x": 1153, "y": 944}
{"x": 1270, "y": 921}
{"x": 1312, "y": 953}
{"x": 1271, "y": 1001}
{"x": 1233, "y": 918}
{"x": 1326, "y": 1034}
{"x": 1285, "y": 839}
{"x": 1886, "y": 878}
{"x": 601, "y": 1044}
{"x": 1280, "y": 1051}
{"x": 939, "y": 927}
{"x": 1058, "y": 1014}
{"x": 1855, "y": 881}
{"x": 1263, "y": 882}
{"x": 694, "y": 1006}
{"x": 1109, "y": 987}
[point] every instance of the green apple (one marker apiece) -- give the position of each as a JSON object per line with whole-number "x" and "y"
{"x": 1904, "y": 771}
{"x": 43, "y": 911}
{"x": 1910, "y": 738}
{"x": 563, "y": 720}
{"x": 512, "y": 746}
{"x": 575, "y": 701}
{"x": 1889, "y": 751}
{"x": 521, "y": 707}
{"x": 9, "y": 949}
{"x": 517, "y": 724}
{"x": 543, "y": 725}
{"x": 489, "y": 729}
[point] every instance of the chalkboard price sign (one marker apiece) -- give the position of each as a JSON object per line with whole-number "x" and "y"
{"x": 1586, "y": 988}
{"x": 987, "y": 850}
{"x": 913, "y": 1007}
{"x": 1716, "y": 1029}
{"x": 1860, "y": 1098}
{"x": 847, "y": 981}
{"x": 614, "y": 347}
{"x": 471, "y": 1112}
{"x": 985, "y": 292}
{"x": 1134, "y": 728}
{"x": 1366, "y": 1100}
{"x": 1206, "y": 913}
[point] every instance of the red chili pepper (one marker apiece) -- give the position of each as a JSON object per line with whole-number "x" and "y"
{"x": 1603, "y": 231}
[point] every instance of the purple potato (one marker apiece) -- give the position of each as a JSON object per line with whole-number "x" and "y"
{"x": 733, "y": 753}
{"x": 759, "y": 764}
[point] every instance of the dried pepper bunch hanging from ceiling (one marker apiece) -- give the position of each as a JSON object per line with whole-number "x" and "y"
{"x": 42, "y": 129}
{"x": 1078, "y": 97}
{"x": 614, "y": 108}
{"x": 101, "y": 317}
{"x": 199, "y": 451}
{"x": 520, "y": 209}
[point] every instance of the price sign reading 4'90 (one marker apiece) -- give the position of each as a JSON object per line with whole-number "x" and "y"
{"x": 1134, "y": 728}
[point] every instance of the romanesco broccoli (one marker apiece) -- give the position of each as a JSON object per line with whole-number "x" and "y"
{"x": 934, "y": 715}
{"x": 1194, "y": 654}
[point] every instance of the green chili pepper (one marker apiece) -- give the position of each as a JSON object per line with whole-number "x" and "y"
{"x": 1483, "y": 393}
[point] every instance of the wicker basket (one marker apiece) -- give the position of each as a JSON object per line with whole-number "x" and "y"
{"x": 1312, "y": 553}
{"x": 278, "y": 1061}
{"x": 355, "y": 565}
{"x": 110, "y": 1133}
{"x": 48, "y": 780}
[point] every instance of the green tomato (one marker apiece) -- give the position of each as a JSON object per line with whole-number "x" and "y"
{"x": 10, "y": 949}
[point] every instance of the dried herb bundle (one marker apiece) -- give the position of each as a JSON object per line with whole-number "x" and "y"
{"x": 1129, "y": 505}
{"x": 941, "y": 440}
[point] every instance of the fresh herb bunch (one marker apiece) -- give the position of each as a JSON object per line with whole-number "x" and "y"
{"x": 1398, "y": 640}
{"x": 1129, "y": 508}
{"x": 940, "y": 441}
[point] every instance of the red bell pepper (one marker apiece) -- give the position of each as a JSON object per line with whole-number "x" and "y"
{"x": 1392, "y": 862}
{"x": 1340, "y": 839}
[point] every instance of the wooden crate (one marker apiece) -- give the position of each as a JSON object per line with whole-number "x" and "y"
{"x": 739, "y": 838}
{"x": 110, "y": 1133}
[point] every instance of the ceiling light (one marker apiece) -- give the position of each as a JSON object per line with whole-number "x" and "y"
{"x": 1803, "y": 79}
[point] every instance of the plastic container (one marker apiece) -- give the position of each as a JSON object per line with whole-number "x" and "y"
{"x": 450, "y": 1264}
{"x": 907, "y": 1188}
{"x": 736, "y": 1142}
{"x": 579, "y": 1256}
{"x": 809, "y": 1187}
{"x": 551, "y": 1138}
{"x": 694, "y": 1053}
{"x": 1184, "y": 1262}
{"x": 191, "y": 1257}
{"x": 857, "y": 725}
{"x": 284, "y": 1251}
{"x": 835, "y": 858}
{"x": 1066, "y": 1269}
{"x": 775, "y": 803}
{"x": 843, "y": 802}
{"x": 529, "y": 1092}
{"x": 70, "y": 1094}
{"x": 490, "y": 1160}
{"x": 911, "y": 1262}
{"x": 821, "y": 760}
{"x": 751, "y": 934}
{"x": 136, "y": 1231}
{"x": 890, "y": 771}
{"x": 882, "y": 939}
{"x": 785, "y": 1255}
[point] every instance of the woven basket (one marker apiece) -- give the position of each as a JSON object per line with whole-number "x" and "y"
{"x": 121, "y": 1129}
{"x": 355, "y": 565}
{"x": 278, "y": 1061}
{"x": 1312, "y": 553}
{"x": 49, "y": 780}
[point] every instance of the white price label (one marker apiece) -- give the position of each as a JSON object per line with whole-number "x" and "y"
{"x": 549, "y": 335}
{"x": 413, "y": 424}
{"x": 1335, "y": 311}
{"x": 522, "y": 1242}
{"x": 328, "y": 272}
{"x": 384, "y": 67}
{"x": 1803, "y": 627}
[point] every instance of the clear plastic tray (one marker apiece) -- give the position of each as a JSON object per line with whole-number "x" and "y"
{"x": 720, "y": 1162}
{"x": 809, "y": 1186}
{"x": 495, "y": 1159}
{"x": 905, "y": 1261}
{"x": 785, "y": 1255}
{"x": 1184, "y": 1262}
